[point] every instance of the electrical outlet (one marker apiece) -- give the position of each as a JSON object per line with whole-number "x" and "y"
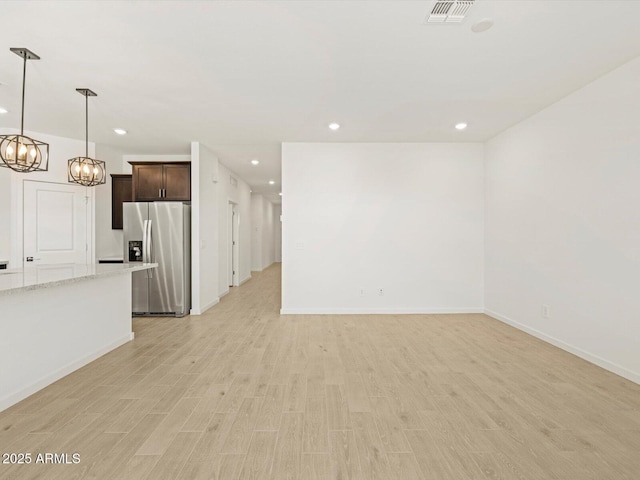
{"x": 545, "y": 311}
{"x": 380, "y": 292}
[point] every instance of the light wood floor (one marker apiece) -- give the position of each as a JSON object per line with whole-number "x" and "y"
{"x": 244, "y": 393}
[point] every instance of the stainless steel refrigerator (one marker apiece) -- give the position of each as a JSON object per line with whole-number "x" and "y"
{"x": 159, "y": 232}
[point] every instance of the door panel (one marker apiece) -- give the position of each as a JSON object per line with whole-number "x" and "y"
{"x": 166, "y": 291}
{"x": 139, "y": 292}
{"x": 134, "y": 217}
{"x": 147, "y": 182}
{"x": 56, "y": 223}
{"x": 230, "y": 246}
{"x": 177, "y": 182}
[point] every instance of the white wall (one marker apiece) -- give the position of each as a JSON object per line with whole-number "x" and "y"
{"x": 108, "y": 241}
{"x": 263, "y": 233}
{"x": 407, "y": 218}
{"x": 244, "y": 209}
{"x": 277, "y": 225}
{"x": 268, "y": 234}
{"x": 563, "y": 223}
{"x": 204, "y": 235}
{"x": 211, "y": 191}
{"x": 5, "y": 214}
{"x": 256, "y": 231}
{"x": 11, "y": 199}
{"x": 237, "y": 192}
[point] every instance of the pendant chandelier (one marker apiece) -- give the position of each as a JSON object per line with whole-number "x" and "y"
{"x": 85, "y": 170}
{"x": 19, "y": 152}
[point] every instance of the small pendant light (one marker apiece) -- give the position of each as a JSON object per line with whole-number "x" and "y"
{"x": 19, "y": 152}
{"x": 84, "y": 170}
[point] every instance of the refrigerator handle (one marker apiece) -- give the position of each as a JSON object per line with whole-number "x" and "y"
{"x": 150, "y": 247}
{"x": 144, "y": 241}
{"x": 144, "y": 244}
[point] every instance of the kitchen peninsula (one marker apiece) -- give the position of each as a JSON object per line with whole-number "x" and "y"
{"x": 55, "y": 319}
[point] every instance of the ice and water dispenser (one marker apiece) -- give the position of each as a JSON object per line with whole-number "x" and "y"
{"x": 135, "y": 250}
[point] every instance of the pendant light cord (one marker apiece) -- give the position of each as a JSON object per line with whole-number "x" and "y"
{"x": 24, "y": 77}
{"x": 86, "y": 98}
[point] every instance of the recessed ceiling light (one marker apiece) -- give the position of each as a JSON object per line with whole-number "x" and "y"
{"x": 334, "y": 126}
{"x": 280, "y": 194}
{"x": 272, "y": 182}
{"x": 461, "y": 126}
{"x": 255, "y": 161}
{"x": 120, "y": 131}
{"x": 3, "y": 110}
{"x": 482, "y": 26}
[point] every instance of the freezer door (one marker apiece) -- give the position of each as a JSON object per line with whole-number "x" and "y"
{"x": 166, "y": 285}
{"x": 135, "y": 219}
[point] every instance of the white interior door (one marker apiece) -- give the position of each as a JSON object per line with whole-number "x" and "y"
{"x": 233, "y": 245}
{"x": 57, "y": 223}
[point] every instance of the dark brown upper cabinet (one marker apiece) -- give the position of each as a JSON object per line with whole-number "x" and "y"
{"x": 177, "y": 182}
{"x": 121, "y": 192}
{"x": 154, "y": 181}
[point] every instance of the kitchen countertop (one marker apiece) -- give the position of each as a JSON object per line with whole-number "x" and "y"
{"x": 34, "y": 277}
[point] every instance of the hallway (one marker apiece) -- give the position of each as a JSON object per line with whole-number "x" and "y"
{"x": 242, "y": 392}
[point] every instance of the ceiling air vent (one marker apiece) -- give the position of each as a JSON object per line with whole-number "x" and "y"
{"x": 449, "y": 11}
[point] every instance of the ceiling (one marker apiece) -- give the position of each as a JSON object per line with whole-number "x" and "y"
{"x": 242, "y": 77}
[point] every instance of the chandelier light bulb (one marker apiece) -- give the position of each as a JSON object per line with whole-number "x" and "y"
{"x": 10, "y": 152}
{"x": 22, "y": 151}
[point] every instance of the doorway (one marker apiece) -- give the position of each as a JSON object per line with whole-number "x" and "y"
{"x": 233, "y": 244}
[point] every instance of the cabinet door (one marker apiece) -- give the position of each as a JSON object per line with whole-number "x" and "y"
{"x": 177, "y": 182}
{"x": 120, "y": 193}
{"x": 147, "y": 182}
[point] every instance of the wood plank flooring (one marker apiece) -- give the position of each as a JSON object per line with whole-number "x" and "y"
{"x": 244, "y": 393}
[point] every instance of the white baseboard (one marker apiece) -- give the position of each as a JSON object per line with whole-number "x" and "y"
{"x": 267, "y": 266}
{"x": 589, "y": 357}
{"x": 377, "y": 311}
{"x": 245, "y": 280}
{"x": 200, "y": 311}
{"x": 47, "y": 380}
{"x": 210, "y": 304}
{"x": 224, "y": 293}
{"x": 263, "y": 268}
